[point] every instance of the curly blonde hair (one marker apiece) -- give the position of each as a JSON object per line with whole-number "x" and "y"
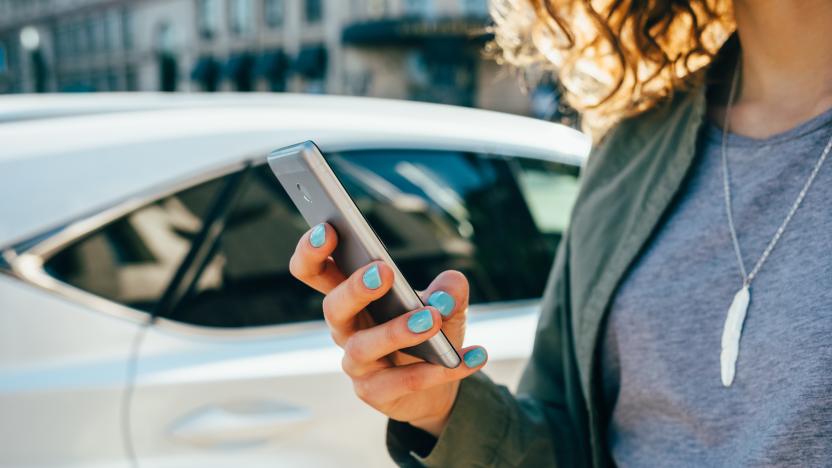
{"x": 613, "y": 58}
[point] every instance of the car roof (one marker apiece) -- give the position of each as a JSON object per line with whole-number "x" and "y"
{"x": 67, "y": 156}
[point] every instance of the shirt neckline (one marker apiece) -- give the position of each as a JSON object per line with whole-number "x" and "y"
{"x": 813, "y": 124}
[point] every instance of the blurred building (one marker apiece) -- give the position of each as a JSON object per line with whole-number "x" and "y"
{"x": 413, "y": 49}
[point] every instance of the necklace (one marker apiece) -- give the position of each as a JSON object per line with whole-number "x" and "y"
{"x": 742, "y": 299}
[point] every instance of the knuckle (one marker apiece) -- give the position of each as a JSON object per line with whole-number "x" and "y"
{"x": 457, "y": 277}
{"x": 392, "y": 337}
{"x": 361, "y": 387}
{"x": 463, "y": 288}
{"x": 345, "y": 364}
{"x": 329, "y": 310}
{"x": 449, "y": 375}
{"x": 337, "y": 338}
{"x": 354, "y": 351}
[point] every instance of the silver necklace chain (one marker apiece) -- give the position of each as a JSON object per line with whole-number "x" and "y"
{"x": 726, "y": 184}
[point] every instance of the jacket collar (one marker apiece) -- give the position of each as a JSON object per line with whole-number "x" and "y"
{"x": 656, "y": 152}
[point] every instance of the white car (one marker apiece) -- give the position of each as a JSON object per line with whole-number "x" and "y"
{"x": 115, "y": 209}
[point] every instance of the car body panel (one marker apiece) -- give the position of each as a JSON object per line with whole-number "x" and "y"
{"x": 293, "y": 375}
{"x": 62, "y": 375}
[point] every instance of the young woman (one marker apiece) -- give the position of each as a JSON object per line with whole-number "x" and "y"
{"x": 688, "y": 316}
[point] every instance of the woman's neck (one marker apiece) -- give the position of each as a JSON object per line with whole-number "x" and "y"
{"x": 786, "y": 65}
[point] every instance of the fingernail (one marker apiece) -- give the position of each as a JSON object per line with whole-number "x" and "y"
{"x": 475, "y": 357}
{"x": 318, "y": 236}
{"x": 443, "y": 301}
{"x": 420, "y": 322}
{"x": 371, "y": 277}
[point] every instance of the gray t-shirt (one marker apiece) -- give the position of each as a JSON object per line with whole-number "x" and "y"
{"x": 660, "y": 351}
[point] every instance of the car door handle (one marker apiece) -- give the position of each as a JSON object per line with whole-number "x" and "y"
{"x": 240, "y": 423}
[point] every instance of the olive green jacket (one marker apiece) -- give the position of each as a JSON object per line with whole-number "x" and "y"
{"x": 557, "y": 417}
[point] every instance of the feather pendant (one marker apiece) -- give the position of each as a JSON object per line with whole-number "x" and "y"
{"x": 731, "y": 335}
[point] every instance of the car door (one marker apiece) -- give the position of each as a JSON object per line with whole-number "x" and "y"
{"x": 238, "y": 367}
{"x": 61, "y": 379}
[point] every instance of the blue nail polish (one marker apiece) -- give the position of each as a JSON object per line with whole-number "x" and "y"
{"x": 318, "y": 236}
{"x": 443, "y": 301}
{"x": 371, "y": 277}
{"x": 420, "y": 322}
{"x": 475, "y": 357}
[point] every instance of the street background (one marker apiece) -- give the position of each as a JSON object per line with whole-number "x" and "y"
{"x": 426, "y": 50}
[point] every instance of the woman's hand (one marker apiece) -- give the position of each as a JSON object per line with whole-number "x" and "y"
{"x": 402, "y": 387}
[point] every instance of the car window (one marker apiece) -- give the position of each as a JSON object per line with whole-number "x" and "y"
{"x": 496, "y": 219}
{"x": 132, "y": 260}
{"x": 247, "y": 282}
{"x": 438, "y": 210}
{"x": 550, "y": 191}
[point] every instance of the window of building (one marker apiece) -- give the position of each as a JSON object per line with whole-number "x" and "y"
{"x": 101, "y": 33}
{"x": 241, "y": 17}
{"x": 131, "y": 78}
{"x": 311, "y": 62}
{"x": 107, "y": 32}
{"x": 165, "y": 38}
{"x": 78, "y": 38}
{"x": 207, "y": 72}
{"x": 4, "y": 65}
{"x": 89, "y": 34}
{"x": 60, "y": 42}
{"x": 100, "y": 82}
{"x": 434, "y": 210}
{"x": 62, "y": 38}
{"x": 420, "y": 8}
{"x": 113, "y": 83}
{"x": 274, "y": 13}
{"x": 208, "y": 17}
{"x": 475, "y": 7}
{"x": 126, "y": 29}
{"x": 12, "y": 63}
{"x": 313, "y": 11}
{"x": 441, "y": 80}
{"x": 377, "y": 8}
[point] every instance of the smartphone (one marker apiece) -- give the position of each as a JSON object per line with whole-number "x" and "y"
{"x": 321, "y": 198}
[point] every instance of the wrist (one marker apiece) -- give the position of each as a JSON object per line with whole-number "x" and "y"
{"x": 435, "y": 424}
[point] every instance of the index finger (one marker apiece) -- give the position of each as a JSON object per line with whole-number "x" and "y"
{"x": 312, "y": 262}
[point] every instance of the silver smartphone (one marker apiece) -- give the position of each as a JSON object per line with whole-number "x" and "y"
{"x": 320, "y": 197}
